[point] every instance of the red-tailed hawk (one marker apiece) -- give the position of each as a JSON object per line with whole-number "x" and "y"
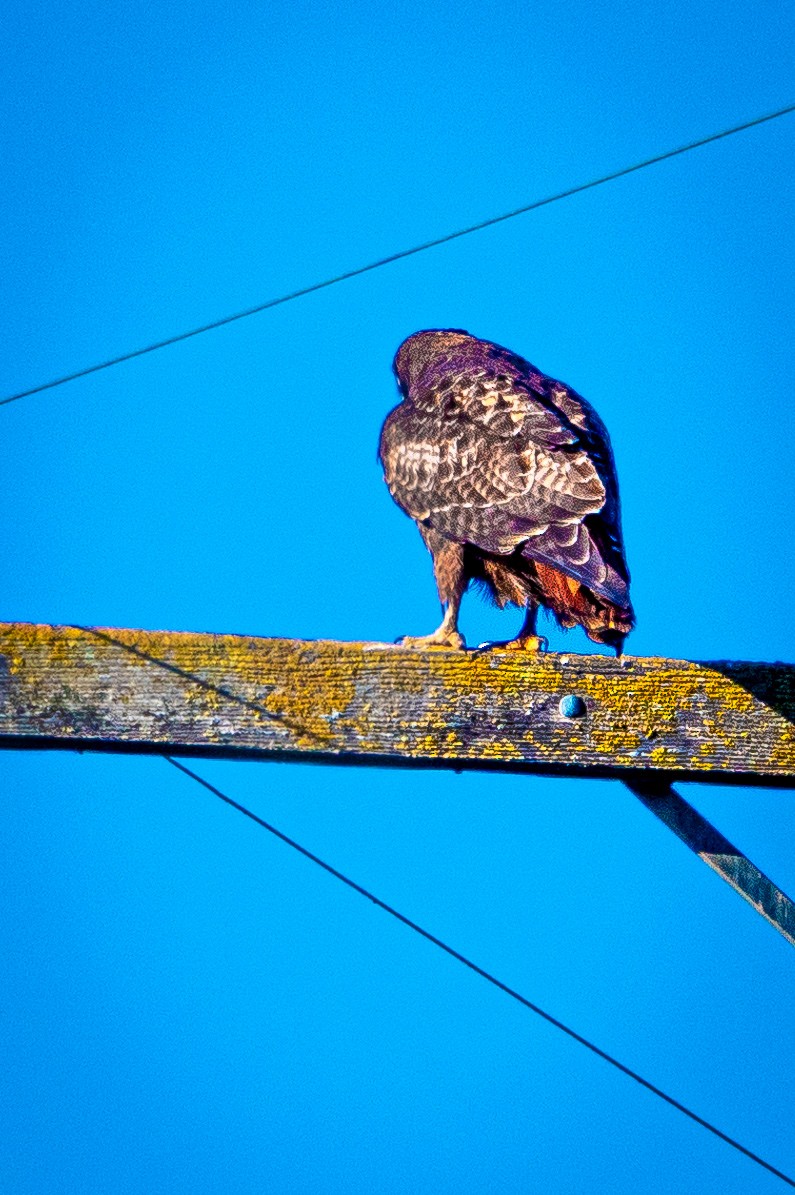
{"x": 510, "y": 478}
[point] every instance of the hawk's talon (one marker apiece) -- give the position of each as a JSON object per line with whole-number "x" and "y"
{"x": 444, "y": 641}
{"x": 534, "y": 644}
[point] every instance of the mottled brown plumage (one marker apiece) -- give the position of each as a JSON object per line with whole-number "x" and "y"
{"x": 510, "y": 478}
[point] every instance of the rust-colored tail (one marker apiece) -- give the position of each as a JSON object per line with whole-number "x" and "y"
{"x": 573, "y": 604}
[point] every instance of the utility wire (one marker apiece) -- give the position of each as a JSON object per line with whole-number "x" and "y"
{"x": 385, "y": 261}
{"x": 480, "y": 971}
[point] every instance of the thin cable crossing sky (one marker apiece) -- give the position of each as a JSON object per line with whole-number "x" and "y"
{"x": 399, "y": 256}
{"x": 503, "y": 987}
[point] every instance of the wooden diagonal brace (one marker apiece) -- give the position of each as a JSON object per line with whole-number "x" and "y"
{"x": 718, "y": 853}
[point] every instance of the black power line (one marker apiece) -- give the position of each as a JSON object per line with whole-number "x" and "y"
{"x": 385, "y": 261}
{"x": 583, "y": 1041}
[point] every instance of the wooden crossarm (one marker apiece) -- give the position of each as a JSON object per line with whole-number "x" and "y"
{"x": 232, "y": 695}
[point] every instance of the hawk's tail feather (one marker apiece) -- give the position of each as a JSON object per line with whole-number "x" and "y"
{"x": 575, "y": 551}
{"x": 573, "y": 604}
{"x": 520, "y": 580}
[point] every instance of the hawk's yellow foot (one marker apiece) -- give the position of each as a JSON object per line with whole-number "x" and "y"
{"x": 440, "y": 640}
{"x": 534, "y": 644}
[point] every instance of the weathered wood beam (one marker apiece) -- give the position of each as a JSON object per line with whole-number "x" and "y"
{"x": 717, "y": 852}
{"x": 230, "y": 695}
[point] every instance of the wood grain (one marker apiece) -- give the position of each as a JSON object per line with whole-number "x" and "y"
{"x": 230, "y": 695}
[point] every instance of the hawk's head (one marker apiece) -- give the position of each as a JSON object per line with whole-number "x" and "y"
{"x": 415, "y": 352}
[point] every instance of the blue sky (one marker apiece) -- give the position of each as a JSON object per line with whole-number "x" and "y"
{"x": 187, "y": 1005}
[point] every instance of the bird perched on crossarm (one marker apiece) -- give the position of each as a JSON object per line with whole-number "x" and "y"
{"x": 509, "y": 476}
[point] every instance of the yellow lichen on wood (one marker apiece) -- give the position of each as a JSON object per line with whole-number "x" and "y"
{"x": 229, "y": 694}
